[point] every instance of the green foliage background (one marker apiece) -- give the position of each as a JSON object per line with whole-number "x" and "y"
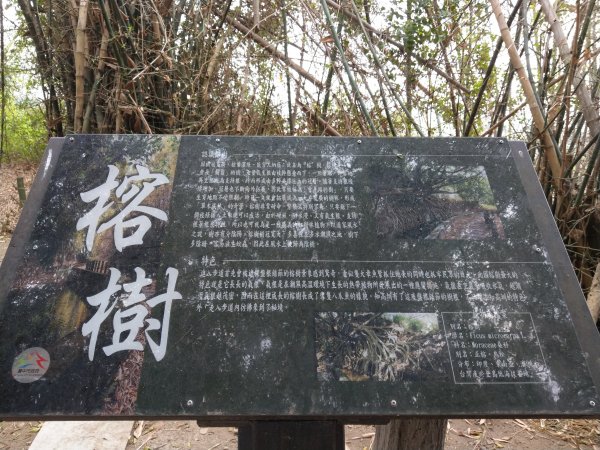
{"x": 25, "y": 117}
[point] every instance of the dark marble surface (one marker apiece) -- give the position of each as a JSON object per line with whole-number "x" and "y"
{"x": 244, "y": 277}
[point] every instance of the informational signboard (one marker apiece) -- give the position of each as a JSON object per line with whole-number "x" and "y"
{"x": 166, "y": 276}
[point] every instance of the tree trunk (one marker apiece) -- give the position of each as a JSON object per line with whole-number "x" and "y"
{"x": 410, "y": 434}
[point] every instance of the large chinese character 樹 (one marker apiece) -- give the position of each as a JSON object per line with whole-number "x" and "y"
{"x": 128, "y": 193}
{"x": 130, "y": 318}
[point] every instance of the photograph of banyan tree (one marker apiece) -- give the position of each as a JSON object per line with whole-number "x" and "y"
{"x": 418, "y": 199}
{"x": 389, "y": 346}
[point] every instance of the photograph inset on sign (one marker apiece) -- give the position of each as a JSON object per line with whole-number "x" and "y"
{"x": 368, "y": 346}
{"x": 412, "y": 199}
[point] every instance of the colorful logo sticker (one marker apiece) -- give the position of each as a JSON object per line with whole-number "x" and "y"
{"x": 31, "y": 365}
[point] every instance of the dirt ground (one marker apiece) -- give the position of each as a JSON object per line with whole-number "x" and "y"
{"x": 9, "y": 196}
{"x": 476, "y": 434}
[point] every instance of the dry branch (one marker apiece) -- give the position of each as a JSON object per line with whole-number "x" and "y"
{"x": 270, "y": 48}
{"x": 504, "y": 119}
{"x": 312, "y": 115}
{"x": 384, "y": 37}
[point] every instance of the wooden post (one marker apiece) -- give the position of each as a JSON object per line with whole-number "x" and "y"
{"x": 408, "y": 434}
{"x": 21, "y": 189}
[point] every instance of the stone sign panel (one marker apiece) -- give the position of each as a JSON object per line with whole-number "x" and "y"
{"x": 243, "y": 277}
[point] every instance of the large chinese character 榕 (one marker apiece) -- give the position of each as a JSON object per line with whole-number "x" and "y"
{"x": 131, "y": 196}
{"x": 129, "y": 319}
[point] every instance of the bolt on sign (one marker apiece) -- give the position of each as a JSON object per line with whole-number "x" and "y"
{"x": 249, "y": 276}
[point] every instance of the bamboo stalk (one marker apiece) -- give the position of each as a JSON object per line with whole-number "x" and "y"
{"x": 118, "y": 113}
{"x": 385, "y": 38}
{"x": 588, "y": 173}
{"x": 79, "y": 58}
{"x": 451, "y": 93}
{"x": 348, "y": 94}
{"x": 244, "y": 94}
{"x": 102, "y": 53}
{"x": 115, "y": 46}
{"x": 384, "y": 100}
{"x": 312, "y": 115}
{"x": 504, "y": 119}
{"x": 580, "y": 155}
{"x": 330, "y": 71}
{"x": 526, "y": 34}
{"x": 386, "y": 108}
{"x": 357, "y": 93}
{"x": 408, "y": 70}
{"x": 501, "y": 102}
{"x": 270, "y": 48}
{"x": 576, "y": 77}
{"x": 85, "y": 127}
{"x": 255, "y": 13}
{"x": 44, "y": 61}
{"x": 487, "y": 77}
{"x": 585, "y": 27}
{"x": 288, "y": 81}
{"x": 583, "y": 94}
{"x": 379, "y": 67}
{"x": 212, "y": 64}
{"x": 222, "y": 20}
{"x": 538, "y": 117}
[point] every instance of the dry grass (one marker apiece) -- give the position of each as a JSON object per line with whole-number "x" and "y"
{"x": 576, "y": 432}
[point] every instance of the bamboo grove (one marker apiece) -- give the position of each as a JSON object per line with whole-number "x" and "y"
{"x": 520, "y": 69}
